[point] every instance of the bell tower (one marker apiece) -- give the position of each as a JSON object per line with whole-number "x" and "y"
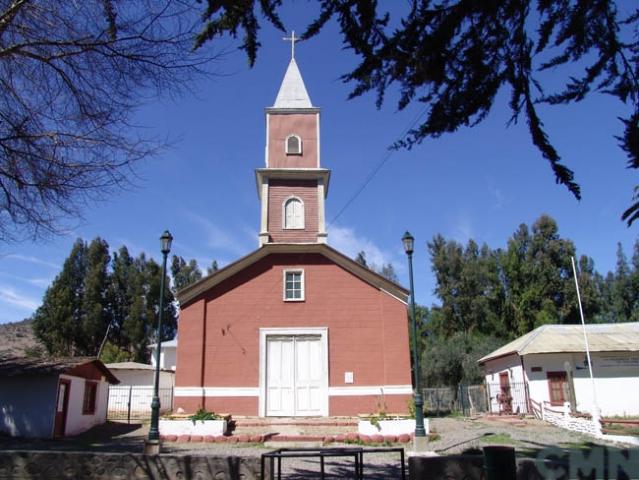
{"x": 292, "y": 187}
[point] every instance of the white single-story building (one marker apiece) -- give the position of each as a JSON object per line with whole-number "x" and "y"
{"x": 168, "y": 354}
{"x": 134, "y": 393}
{"x": 549, "y": 365}
{"x": 49, "y": 398}
{"x": 141, "y": 374}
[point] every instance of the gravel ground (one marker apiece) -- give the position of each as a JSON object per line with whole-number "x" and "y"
{"x": 456, "y": 435}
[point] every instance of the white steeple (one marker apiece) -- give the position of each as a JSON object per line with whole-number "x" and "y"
{"x": 292, "y": 92}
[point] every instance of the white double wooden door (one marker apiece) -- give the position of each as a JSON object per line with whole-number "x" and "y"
{"x": 295, "y": 377}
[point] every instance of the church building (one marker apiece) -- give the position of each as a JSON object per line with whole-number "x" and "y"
{"x": 294, "y": 328}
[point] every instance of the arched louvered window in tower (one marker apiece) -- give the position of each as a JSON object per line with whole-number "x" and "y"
{"x": 293, "y": 145}
{"x": 293, "y": 213}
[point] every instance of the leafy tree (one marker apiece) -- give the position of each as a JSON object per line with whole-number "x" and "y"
{"x": 622, "y": 291}
{"x": 87, "y": 297}
{"x": 184, "y": 274}
{"x": 213, "y": 268}
{"x": 388, "y": 272}
{"x": 361, "y": 259}
{"x": 453, "y": 360}
{"x": 95, "y": 313}
{"x": 72, "y": 74}
{"x": 121, "y": 294}
{"x": 454, "y": 57}
{"x": 111, "y": 353}
{"x": 468, "y": 285}
{"x": 57, "y": 322}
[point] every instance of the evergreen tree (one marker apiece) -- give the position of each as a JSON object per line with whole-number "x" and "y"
{"x": 213, "y": 268}
{"x": 183, "y": 273}
{"x": 388, "y": 272}
{"x": 361, "y": 259}
{"x": 121, "y": 294}
{"x": 454, "y": 57}
{"x": 57, "y": 322}
{"x": 622, "y": 292}
{"x": 95, "y": 316}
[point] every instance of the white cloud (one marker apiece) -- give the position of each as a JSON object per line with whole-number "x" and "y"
{"x": 346, "y": 241}
{"x": 217, "y": 237}
{"x": 10, "y": 296}
{"x": 31, "y": 259}
{"x": 463, "y": 229}
{"x": 41, "y": 282}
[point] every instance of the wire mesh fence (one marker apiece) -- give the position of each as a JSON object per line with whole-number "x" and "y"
{"x": 472, "y": 400}
{"x": 133, "y": 402}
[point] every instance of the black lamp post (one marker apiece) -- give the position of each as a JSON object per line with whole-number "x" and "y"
{"x": 154, "y": 431}
{"x": 409, "y": 243}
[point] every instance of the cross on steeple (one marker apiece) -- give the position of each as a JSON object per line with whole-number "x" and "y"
{"x": 292, "y": 39}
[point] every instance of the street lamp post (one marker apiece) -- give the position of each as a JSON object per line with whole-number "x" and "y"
{"x": 154, "y": 431}
{"x": 409, "y": 243}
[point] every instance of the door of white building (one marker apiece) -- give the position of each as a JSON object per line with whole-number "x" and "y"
{"x": 295, "y": 375}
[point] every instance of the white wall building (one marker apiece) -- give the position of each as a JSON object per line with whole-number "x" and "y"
{"x": 48, "y": 398}
{"x": 549, "y": 364}
{"x": 134, "y": 393}
{"x": 168, "y": 354}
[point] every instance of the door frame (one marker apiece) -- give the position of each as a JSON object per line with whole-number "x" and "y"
{"x": 65, "y": 408}
{"x": 322, "y": 332}
{"x": 561, "y": 378}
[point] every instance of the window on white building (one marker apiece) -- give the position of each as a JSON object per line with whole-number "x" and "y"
{"x": 293, "y": 213}
{"x": 293, "y": 285}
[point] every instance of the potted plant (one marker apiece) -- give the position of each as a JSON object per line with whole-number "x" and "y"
{"x": 201, "y": 422}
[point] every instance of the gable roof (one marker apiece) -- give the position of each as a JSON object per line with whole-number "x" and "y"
{"x": 195, "y": 289}
{"x": 18, "y": 366}
{"x": 134, "y": 366}
{"x": 602, "y": 337}
{"x": 292, "y": 93}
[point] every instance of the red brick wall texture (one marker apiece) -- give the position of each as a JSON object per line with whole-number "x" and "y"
{"x": 280, "y": 126}
{"x": 280, "y": 191}
{"x": 219, "y": 333}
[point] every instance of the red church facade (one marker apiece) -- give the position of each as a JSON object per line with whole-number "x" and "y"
{"x": 295, "y": 328}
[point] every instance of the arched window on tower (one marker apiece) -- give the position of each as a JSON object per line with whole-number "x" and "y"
{"x": 293, "y": 145}
{"x": 293, "y": 213}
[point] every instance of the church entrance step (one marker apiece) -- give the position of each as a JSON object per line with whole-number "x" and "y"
{"x": 315, "y": 428}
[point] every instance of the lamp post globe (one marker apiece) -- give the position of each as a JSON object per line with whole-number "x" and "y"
{"x": 409, "y": 243}
{"x": 154, "y": 431}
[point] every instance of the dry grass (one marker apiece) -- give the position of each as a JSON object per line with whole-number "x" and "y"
{"x": 17, "y": 338}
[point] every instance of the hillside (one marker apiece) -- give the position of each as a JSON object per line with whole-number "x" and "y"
{"x": 17, "y": 337}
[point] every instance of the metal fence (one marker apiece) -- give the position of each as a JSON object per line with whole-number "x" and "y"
{"x": 471, "y": 400}
{"x": 127, "y": 402}
{"x": 510, "y": 398}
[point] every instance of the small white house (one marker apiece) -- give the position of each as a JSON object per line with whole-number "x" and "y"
{"x": 134, "y": 393}
{"x": 549, "y": 365}
{"x": 168, "y": 354}
{"x": 49, "y": 398}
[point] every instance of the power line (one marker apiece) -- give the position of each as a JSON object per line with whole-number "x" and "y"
{"x": 378, "y": 167}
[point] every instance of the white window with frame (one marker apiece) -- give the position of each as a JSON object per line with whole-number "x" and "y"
{"x": 293, "y": 145}
{"x": 293, "y": 285}
{"x": 293, "y": 213}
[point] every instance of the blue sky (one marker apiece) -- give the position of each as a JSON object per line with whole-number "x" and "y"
{"x": 478, "y": 183}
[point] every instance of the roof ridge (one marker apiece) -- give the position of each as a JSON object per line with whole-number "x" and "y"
{"x": 534, "y": 334}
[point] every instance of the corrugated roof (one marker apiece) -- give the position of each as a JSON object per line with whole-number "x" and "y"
{"x": 17, "y": 366}
{"x": 292, "y": 93}
{"x": 602, "y": 337}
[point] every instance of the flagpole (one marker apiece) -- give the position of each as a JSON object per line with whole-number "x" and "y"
{"x": 595, "y": 410}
